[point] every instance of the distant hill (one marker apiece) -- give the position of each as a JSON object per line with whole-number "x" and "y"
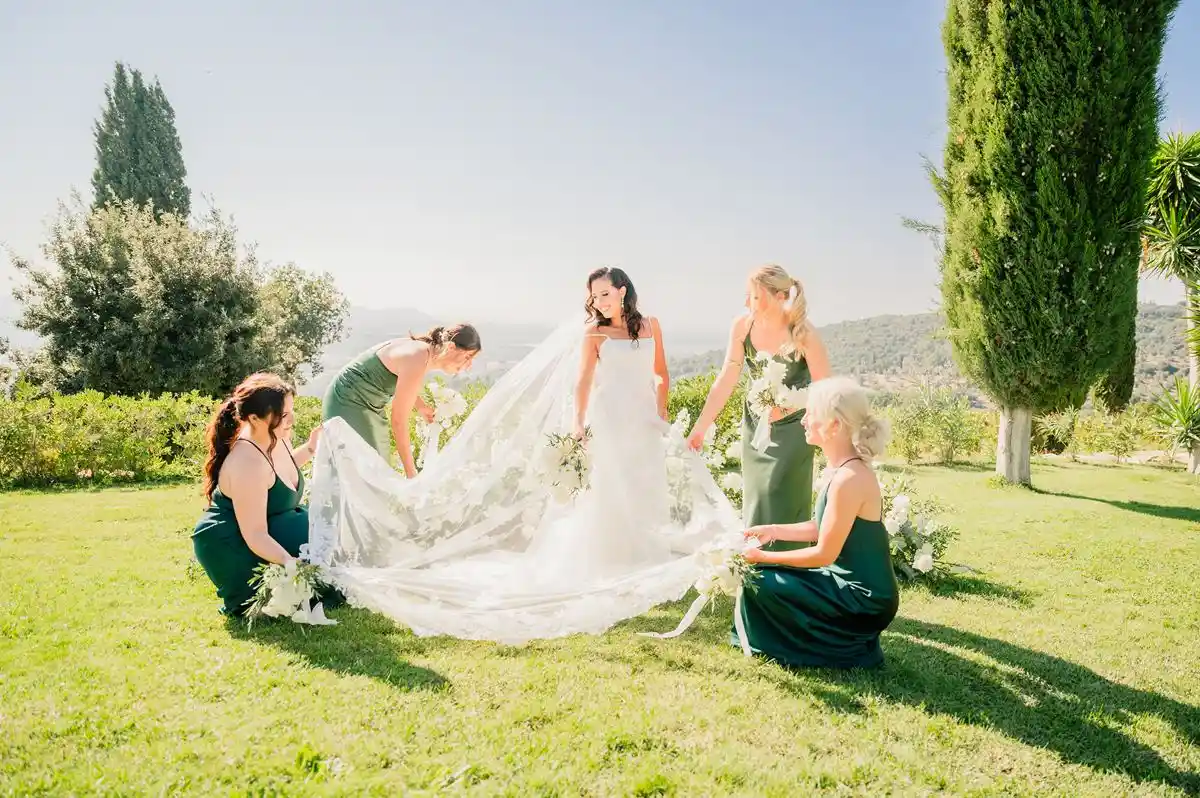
{"x": 889, "y": 352}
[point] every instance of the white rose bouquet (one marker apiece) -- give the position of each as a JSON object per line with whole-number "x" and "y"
{"x": 768, "y": 393}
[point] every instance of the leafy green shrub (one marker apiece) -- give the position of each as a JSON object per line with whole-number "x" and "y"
{"x": 1057, "y": 433}
{"x": 56, "y": 439}
{"x": 910, "y": 430}
{"x": 937, "y": 423}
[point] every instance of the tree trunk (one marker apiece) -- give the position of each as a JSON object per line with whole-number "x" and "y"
{"x": 1012, "y": 446}
{"x": 1193, "y": 308}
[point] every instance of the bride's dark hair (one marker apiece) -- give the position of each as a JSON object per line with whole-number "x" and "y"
{"x": 629, "y": 308}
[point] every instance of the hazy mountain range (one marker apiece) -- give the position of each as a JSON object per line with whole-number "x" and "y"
{"x": 885, "y": 352}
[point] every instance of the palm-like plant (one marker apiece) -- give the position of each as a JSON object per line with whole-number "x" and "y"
{"x": 1171, "y": 238}
{"x": 1177, "y": 416}
{"x": 1171, "y": 233}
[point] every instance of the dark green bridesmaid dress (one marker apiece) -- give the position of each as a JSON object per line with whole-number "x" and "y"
{"x": 360, "y": 395}
{"x": 777, "y": 483}
{"x": 827, "y": 617}
{"x": 222, "y": 551}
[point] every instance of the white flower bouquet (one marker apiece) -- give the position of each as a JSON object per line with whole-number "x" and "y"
{"x": 724, "y": 572}
{"x": 566, "y": 465}
{"x": 768, "y": 393}
{"x": 917, "y": 540}
{"x": 288, "y": 591}
{"x": 448, "y": 404}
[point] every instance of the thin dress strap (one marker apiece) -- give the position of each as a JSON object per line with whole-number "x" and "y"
{"x": 270, "y": 462}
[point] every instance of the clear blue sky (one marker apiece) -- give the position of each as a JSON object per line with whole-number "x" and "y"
{"x": 476, "y": 159}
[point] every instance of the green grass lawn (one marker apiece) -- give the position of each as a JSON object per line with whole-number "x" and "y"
{"x": 1069, "y": 667}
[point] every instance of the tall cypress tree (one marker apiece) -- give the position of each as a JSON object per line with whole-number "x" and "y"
{"x": 1053, "y": 114}
{"x": 138, "y": 153}
{"x": 1115, "y": 389}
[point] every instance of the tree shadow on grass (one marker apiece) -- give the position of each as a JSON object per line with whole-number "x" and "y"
{"x": 1172, "y": 512}
{"x": 1038, "y": 699}
{"x": 362, "y": 643}
{"x": 960, "y": 585}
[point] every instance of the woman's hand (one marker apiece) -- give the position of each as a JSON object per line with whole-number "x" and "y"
{"x": 695, "y": 439}
{"x": 754, "y": 554}
{"x": 313, "y": 437}
{"x": 424, "y": 410}
{"x": 580, "y": 431}
{"x": 763, "y": 533}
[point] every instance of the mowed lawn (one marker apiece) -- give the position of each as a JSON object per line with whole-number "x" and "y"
{"x": 1070, "y": 666}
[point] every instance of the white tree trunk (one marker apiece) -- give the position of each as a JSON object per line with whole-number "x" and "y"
{"x": 1012, "y": 446}
{"x": 1193, "y": 308}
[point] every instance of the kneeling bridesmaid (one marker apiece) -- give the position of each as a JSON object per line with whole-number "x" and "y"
{"x": 253, "y": 483}
{"x": 826, "y": 605}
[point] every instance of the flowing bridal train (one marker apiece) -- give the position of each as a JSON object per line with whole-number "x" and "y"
{"x": 476, "y": 546}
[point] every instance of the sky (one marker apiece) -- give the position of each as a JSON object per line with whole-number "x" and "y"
{"x": 474, "y": 159}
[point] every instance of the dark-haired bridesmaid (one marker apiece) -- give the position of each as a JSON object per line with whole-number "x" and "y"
{"x": 393, "y": 373}
{"x": 253, "y": 483}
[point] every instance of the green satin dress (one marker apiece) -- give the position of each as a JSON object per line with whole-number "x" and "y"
{"x": 222, "y": 551}
{"x": 360, "y": 395}
{"x": 827, "y": 617}
{"x": 777, "y": 483}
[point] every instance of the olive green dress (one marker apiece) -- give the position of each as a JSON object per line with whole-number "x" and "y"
{"x": 777, "y": 483}
{"x": 222, "y": 551}
{"x": 827, "y": 617}
{"x": 360, "y": 395}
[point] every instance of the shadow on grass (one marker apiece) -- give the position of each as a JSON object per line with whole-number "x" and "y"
{"x": 1036, "y": 698}
{"x": 1168, "y": 511}
{"x": 362, "y": 643}
{"x": 959, "y": 585}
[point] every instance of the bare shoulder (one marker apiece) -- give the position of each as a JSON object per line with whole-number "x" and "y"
{"x": 811, "y": 336}
{"x": 650, "y": 326}
{"x": 593, "y": 337}
{"x": 857, "y": 480}
{"x": 741, "y": 326}
{"x": 246, "y": 467}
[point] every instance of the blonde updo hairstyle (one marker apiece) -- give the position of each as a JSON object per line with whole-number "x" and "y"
{"x": 843, "y": 399}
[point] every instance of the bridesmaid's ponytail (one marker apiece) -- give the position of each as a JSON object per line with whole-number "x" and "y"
{"x": 222, "y": 431}
{"x": 797, "y": 308}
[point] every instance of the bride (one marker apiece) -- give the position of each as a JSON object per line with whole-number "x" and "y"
{"x": 477, "y": 547}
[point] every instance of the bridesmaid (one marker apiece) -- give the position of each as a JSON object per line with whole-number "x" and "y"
{"x": 253, "y": 483}
{"x": 826, "y": 605}
{"x": 777, "y": 482}
{"x": 393, "y": 373}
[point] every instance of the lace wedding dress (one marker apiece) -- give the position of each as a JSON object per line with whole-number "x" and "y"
{"x": 475, "y": 547}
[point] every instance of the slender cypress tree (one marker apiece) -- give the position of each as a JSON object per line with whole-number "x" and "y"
{"x": 138, "y": 153}
{"x": 1053, "y": 117}
{"x": 1115, "y": 388}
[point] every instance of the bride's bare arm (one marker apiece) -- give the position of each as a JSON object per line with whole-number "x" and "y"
{"x": 587, "y": 371}
{"x": 660, "y": 368}
{"x": 727, "y": 379}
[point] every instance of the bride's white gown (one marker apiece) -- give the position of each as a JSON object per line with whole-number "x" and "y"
{"x": 474, "y": 547}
